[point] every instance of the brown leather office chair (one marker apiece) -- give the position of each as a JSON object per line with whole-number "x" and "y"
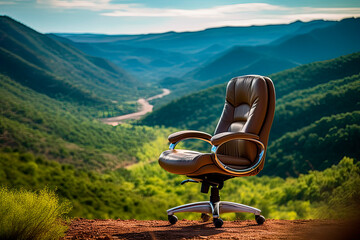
{"x": 238, "y": 147}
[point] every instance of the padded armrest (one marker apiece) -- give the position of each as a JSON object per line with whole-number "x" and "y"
{"x": 178, "y": 136}
{"x": 228, "y": 136}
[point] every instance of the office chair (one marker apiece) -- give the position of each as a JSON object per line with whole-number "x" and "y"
{"x": 238, "y": 148}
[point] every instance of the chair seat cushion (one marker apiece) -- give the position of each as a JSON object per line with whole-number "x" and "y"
{"x": 181, "y": 161}
{"x": 187, "y": 162}
{"x": 234, "y": 162}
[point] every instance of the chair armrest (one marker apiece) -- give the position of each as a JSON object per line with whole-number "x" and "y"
{"x": 174, "y": 138}
{"x": 221, "y": 138}
{"x": 178, "y": 136}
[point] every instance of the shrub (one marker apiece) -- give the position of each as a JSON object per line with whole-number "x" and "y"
{"x": 30, "y": 215}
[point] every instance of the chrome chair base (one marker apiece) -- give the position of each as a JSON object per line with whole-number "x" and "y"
{"x": 215, "y": 209}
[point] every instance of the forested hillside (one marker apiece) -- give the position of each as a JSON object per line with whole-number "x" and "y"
{"x": 316, "y": 103}
{"x": 34, "y": 122}
{"x": 51, "y": 94}
{"x": 64, "y": 72}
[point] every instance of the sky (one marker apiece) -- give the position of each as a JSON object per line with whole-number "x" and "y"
{"x": 156, "y": 16}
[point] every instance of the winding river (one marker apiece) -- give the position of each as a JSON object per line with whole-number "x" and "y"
{"x": 146, "y": 107}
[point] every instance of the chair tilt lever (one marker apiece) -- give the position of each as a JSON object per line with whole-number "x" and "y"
{"x": 188, "y": 180}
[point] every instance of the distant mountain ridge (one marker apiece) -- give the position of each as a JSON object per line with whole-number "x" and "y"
{"x": 193, "y": 41}
{"x": 319, "y": 44}
{"x": 153, "y": 57}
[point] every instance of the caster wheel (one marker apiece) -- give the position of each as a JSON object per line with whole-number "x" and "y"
{"x": 218, "y": 222}
{"x": 205, "y": 217}
{"x": 172, "y": 219}
{"x": 259, "y": 219}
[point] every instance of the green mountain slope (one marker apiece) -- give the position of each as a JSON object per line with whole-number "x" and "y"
{"x": 58, "y": 69}
{"x": 303, "y": 107}
{"x": 305, "y": 95}
{"x": 50, "y": 93}
{"x": 43, "y": 81}
{"x": 34, "y": 122}
{"x": 316, "y": 146}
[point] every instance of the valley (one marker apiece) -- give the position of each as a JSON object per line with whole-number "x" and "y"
{"x": 55, "y": 88}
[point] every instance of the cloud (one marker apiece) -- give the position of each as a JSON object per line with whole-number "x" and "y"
{"x": 93, "y": 5}
{"x": 7, "y": 3}
{"x": 230, "y": 12}
{"x": 232, "y": 15}
{"x": 218, "y": 11}
{"x": 177, "y": 19}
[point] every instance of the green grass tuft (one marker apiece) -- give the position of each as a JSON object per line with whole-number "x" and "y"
{"x": 30, "y": 215}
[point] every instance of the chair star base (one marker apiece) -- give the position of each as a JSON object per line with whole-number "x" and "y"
{"x": 215, "y": 209}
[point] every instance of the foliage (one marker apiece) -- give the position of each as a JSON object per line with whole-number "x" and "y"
{"x": 312, "y": 74}
{"x": 30, "y": 215}
{"x": 309, "y": 196}
{"x": 335, "y": 190}
{"x": 34, "y": 122}
{"x": 302, "y": 107}
{"x": 314, "y": 147}
{"x": 127, "y": 194}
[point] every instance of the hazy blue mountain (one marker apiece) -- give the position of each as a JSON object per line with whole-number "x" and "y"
{"x": 145, "y": 63}
{"x": 319, "y": 44}
{"x": 171, "y": 54}
{"x": 290, "y": 51}
{"x": 199, "y": 40}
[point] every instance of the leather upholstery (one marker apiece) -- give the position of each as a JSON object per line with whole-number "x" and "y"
{"x": 249, "y": 108}
{"x": 223, "y": 137}
{"x": 175, "y": 137}
{"x": 244, "y": 111}
{"x": 181, "y": 161}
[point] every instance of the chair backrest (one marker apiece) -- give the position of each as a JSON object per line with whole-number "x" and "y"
{"x": 249, "y": 107}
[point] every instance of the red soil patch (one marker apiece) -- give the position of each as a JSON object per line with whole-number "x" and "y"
{"x": 184, "y": 229}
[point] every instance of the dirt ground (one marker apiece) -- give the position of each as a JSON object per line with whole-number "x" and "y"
{"x": 185, "y": 229}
